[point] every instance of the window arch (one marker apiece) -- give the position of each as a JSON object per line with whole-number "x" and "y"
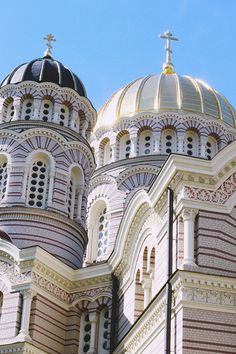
{"x": 168, "y": 141}
{"x": 74, "y": 192}
{"x": 211, "y": 147}
{"x": 145, "y": 143}
{"x": 191, "y": 144}
{"x": 3, "y": 177}
{"x": 27, "y": 109}
{"x": 46, "y": 110}
{"x": 64, "y": 115}
{"x": 85, "y": 333}
{"x": 125, "y": 146}
{"x": 104, "y": 329}
{"x": 38, "y": 181}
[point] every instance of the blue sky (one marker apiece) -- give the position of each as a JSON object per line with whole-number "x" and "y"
{"x": 109, "y": 43}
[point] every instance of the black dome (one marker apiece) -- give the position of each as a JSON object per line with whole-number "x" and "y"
{"x": 45, "y": 70}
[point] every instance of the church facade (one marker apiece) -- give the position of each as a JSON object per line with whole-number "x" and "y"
{"x": 117, "y": 228}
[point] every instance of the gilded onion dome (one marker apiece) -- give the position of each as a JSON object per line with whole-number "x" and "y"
{"x": 158, "y": 93}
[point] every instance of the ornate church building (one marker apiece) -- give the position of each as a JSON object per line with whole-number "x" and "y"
{"x": 117, "y": 228}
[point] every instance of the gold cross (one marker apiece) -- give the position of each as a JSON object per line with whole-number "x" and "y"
{"x": 169, "y": 37}
{"x": 49, "y": 39}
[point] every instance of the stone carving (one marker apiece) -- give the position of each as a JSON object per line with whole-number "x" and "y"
{"x": 91, "y": 294}
{"x": 13, "y": 274}
{"x": 220, "y": 196}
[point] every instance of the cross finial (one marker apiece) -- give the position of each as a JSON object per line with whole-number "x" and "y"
{"x": 168, "y": 67}
{"x": 49, "y": 39}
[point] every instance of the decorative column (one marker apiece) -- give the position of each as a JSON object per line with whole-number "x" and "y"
{"x": 146, "y": 284}
{"x": 26, "y": 308}
{"x": 56, "y": 113}
{"x": 203, "y": 141}
{"x": 84, "y": 128}
{"x": 79, "y": 193}
{"x": 51, "y": 186}
{"x": 189, "y": 218}
{"x": 156, "y": 138}
{"x": 133, "y": 146}
{"x": 36, "y": 108}
{"x": 180, "y": 138}
{"x": 73, "y": 121}
{"x": 93, "y": 319}
{"x": 17, "y": 107}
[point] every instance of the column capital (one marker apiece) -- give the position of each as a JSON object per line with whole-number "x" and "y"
{"x": 28, "y": 294}
{"x": 189, "y": 214}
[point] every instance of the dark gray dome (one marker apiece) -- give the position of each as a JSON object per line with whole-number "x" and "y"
{"x": 45, "y": 69}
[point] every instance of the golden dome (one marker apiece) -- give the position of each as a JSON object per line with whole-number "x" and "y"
{"x": 158, "y": 93}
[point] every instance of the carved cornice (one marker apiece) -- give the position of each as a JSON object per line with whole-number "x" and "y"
{"x": 219, "y": 196}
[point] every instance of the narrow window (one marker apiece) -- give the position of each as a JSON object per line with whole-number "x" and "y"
{"x": 27, "y": 109}
{"x": 145, "y": 143}
{"x": 64, "y": 115}
{"x": 1, "y": 304}
{"x": 211, "y": 147}
{"x": 125, "y": 146}
{"x": 139, "y": 297}
{"x": 46, "y": 110}
{"x": 74, "y": 193}
{"x": 10, "y": 111}
{"x": 3, "y": 178}
{"x": 102, "y": 230}
{"x": 104, "y": 332}
{"x": 85, "y": 333}
{"x": 168, "y": 141}
{"x": 191, "y": 144}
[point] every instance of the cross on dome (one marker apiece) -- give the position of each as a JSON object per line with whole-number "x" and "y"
{"x": 49, "y": 39}
{"x": 168, "y": 67}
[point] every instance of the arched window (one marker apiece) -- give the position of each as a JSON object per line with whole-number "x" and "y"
{"x": 168, "y": 141}
{"x": 85, "y": 333}
{"x": 125, "y": 146}
{"x": 64, "y": 115}
{"x": 46, "y": 110}
{"x": 3, "y": 177}
{"x": 104, "y": 329}
{"x": 38, "y": 182}
{"x": 145, "y": 143}
{"x": 9, "y": 110}
{"x": 139, "y": 296}
{"x": 191, "y": 144}
{"x": 74, "y": 193}
{"x": 211, "y": 147}
{"x": 27, "y": 109}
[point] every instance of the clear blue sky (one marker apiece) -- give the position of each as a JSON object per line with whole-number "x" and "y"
{"x": 109, "y": 43}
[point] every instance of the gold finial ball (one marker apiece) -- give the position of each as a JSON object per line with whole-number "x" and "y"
{"x": 168, "y": 69}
